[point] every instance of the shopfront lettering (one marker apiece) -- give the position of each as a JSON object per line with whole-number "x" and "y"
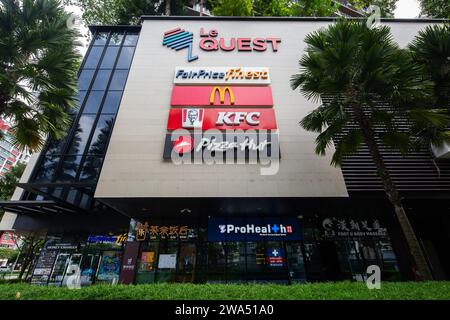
{"x": 144, "y": 231}
{"x": 222, "y": 75}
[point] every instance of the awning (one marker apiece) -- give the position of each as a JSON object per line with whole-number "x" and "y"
{"x": 31, "y": 207}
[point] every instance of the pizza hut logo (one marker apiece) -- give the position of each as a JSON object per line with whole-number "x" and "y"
{"x": 183, "y": 144}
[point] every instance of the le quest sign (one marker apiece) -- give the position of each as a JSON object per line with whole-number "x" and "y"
{"x": 210, "y": 42}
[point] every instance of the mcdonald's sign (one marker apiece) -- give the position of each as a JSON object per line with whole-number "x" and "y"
{"x": 222, "y": 91}
{"x": 260, "y": 96}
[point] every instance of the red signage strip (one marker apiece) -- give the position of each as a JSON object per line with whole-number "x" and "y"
{"x": 205, "y": 119}
{"x": 221, "y": 96}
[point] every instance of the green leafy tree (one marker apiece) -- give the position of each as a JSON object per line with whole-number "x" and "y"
{"x": 38, "y": 67}
{"x": 435, "y": 8}
{"x": 353, "y": 70}
{"x": 232, "y": 8}
{"x": 387, "y": 7}
{"x": 124, "y": 12}
{"x": 8, "y": 253}
{"x": 9, "y": 180}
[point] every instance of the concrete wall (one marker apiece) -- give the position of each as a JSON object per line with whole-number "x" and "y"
{"x": 134, "y": 166}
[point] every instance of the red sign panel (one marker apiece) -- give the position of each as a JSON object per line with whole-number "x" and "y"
{"x": 205, "y": 119}
{"x": 221, "y": 96}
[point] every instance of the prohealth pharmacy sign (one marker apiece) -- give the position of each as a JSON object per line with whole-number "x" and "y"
{"x": 253, "y": 229}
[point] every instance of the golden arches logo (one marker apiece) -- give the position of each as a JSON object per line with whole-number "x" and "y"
{"x": 222, "y": 92}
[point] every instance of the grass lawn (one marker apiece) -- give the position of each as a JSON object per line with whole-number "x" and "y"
{"x": 315, "y": 291}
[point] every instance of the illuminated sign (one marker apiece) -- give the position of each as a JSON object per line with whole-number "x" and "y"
{"x": 152, "y": 232}
{"x": 178, "y": 38}
{"x": 253, "y": 229}
{"x": 221, "y": 96}
{"x": 107, "y": 239}
{"x": 222, "y": 75}
{"x": 223, "y": 119}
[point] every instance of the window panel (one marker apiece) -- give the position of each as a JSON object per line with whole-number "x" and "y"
{"x": 112, "y": 102}
{"x": 118, "y": 80}
{"x": 116, "y": 39}
{"x": 91, "y": 169}
{"x": 47, "y": 169}
{"x": 100, "y": 38}
{"x": 94, "y": 57}
{"x": 81, "y": 135}
{"x": 125, "y": 58}
{"x": 101, "y": 80}
{"x": 93, "y": 102}
{"x": 85, "y": 79}
{"x": 69, "y": 168}
{"x": 101, "y": 134}
{"x": 131, "y": 40}
{"x": 109, "y": 58}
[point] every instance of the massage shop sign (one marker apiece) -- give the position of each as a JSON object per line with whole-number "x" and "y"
{"x": 146, "y": 231}
{"x": 337, "y": 227}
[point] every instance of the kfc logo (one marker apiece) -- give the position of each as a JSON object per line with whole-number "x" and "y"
{"x": 235, "y": 118}
{"x": 192, "y": 118}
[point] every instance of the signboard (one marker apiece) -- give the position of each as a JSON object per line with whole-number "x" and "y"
{"x": 275, "y": 257}
{"x": 222, "y": 119}
{"x": 253, "y": 229}
{"x": 44, "y": 266}
{"x": 183, "y": 96}
{"x": 167, "y": 261}
{"x": 119, "y": 239}
{"x": 255, "y": 145}
{"x": 335, "y": 227}
{"x": 146, "y": 231}
{"x": 130, "y": 255}
{"x": 221, "y": 75}
{"x": 62, "y": 246}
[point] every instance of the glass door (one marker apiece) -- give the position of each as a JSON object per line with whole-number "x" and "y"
{"x": 59, "y": 268}
{"x": 295, "y": 261}
{"x": 186, "y": 262}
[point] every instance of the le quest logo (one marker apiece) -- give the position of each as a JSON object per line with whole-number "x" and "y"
{"x": 178, "y": 38}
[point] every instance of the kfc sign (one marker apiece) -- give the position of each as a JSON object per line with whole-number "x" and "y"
{"x": 183, "y": 96}
{"x": 222, "y": 119}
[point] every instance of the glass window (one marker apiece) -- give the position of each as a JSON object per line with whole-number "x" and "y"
{"x": 56, "y": 146}
{"x": 80, "y": 98}
{"x": 125, "y": 58}
{"x": 84, "y": 79}
{"x": 110, "y": 58}
{"x": 47, "y": 169}
{"x": 93, "y": 102}
{"x": 236, "y": 264}
{"x": 131, "y": 40}
{"x": 82, "y": 133}
{"x": 112, "y": 102}
{"x": 118, "y": 80}
{"x": 69, "y": 168}
{"x": 101, "y": 80}
{"x": 116, "y": 39}
{"x": 93, "y": 58}
{"x": 91, "y": 169}
{"x": 101, "y": 134}
{"x": 100, "y": 39}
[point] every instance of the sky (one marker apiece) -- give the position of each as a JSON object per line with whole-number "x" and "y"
{"x": 405, "y": 9}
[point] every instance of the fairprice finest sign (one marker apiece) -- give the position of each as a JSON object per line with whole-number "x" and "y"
{"x": 222, "y": 75}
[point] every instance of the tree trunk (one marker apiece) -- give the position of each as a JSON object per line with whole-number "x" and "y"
{"x": 167, "y": 8}
{"x": 414, "y": 247}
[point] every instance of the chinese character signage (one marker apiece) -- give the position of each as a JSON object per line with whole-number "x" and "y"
{"x": 253, "y": 229}
{"x": 146, "y": 231}
{"x": 351, "y": 227}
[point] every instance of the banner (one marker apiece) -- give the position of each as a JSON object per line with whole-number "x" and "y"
{"x": 221, "y": 75}
{"x": 254, "y": 229}
{"x": 183, "y": 96}
{"x": 222, "y": 119}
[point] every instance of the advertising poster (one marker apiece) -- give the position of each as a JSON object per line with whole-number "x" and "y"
{"x": 109, "y": 266}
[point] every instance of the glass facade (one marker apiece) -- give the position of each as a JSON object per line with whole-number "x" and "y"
{"x": 77, "y": 158}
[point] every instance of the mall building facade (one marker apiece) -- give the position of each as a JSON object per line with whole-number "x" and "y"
{"x": 186, "y": 163}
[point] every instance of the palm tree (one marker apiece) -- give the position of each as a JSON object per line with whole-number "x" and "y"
{"x": 38, "y": 66}
{"x": 355, "y": 71}
{"x": 431, "y": 49}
